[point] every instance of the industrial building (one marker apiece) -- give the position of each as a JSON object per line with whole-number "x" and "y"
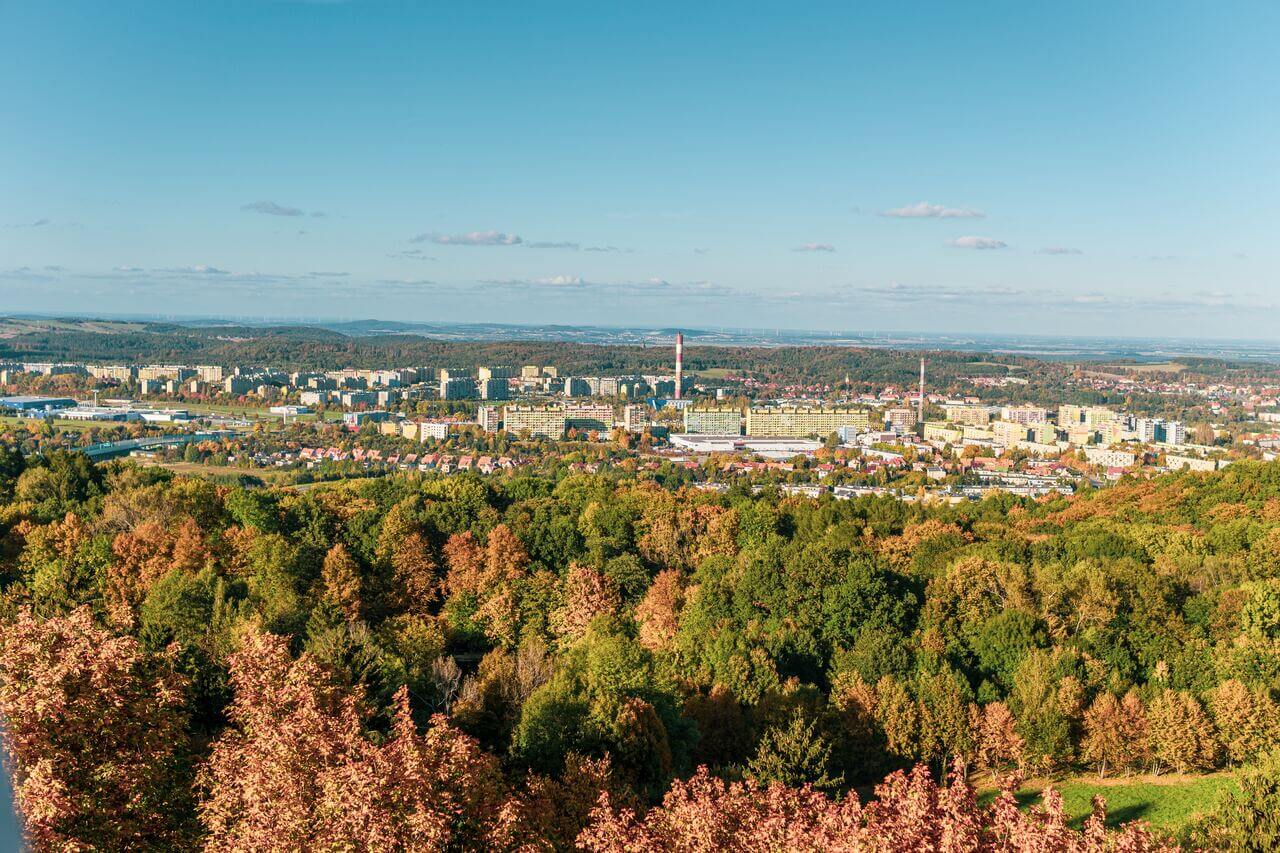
{"x": 30, "y": 404}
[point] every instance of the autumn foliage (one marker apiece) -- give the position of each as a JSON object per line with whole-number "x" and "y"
{"x": 95, "y": 731}
{"x": 618, "y": 662}
{"x": 297, "y": 769}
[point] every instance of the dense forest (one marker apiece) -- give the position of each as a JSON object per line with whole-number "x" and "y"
{"x": 531, "y": 663}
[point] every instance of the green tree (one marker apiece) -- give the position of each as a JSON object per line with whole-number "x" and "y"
{"x": 794, "y": 755}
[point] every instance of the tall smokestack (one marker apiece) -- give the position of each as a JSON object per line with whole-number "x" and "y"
{"x": 920, "y": 401}
{"x": 679, "y": 362}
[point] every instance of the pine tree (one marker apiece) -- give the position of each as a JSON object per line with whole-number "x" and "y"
{"x": 795, "y": 755}
{"x": 1180, "y": 733}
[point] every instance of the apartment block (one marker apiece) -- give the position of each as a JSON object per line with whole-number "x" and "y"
{"x": 713, "y": 421}
{"x": 967, "y": 413}
{"x": 1110, "y": 458}
{"x": 546, "y": 421}
{"x": 489, "y": 418}
{"x": 589, "y": 416}
{"x": 798, "y": 422}
{"x": 1024, "y": 414}
{"x": 635, "y": 418}
{"x": 576, "y": 387}
{"x": 494, "y": 388}
{"x": 457, "y": 387}
{"x": 900, "y": 419}
{"x": 943, "y": 432}
{"x": 1008, "y": 433}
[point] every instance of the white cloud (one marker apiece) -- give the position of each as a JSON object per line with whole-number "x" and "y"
{"x": 560, "y": 280}
{"x": 815, "y": 247}
{"x": 925, "y": 210}
{"x": 1058, "y": 250}
{"x": 471, "y": 238}
{"x": 977, "y": 243}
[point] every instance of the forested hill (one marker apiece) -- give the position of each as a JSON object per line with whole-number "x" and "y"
{"x": 298, "y": 347}
{"x": 526, "y": 663}
{"x": 315, "y": 348}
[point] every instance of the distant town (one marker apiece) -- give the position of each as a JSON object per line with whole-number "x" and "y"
{"x": 714, "y": 428}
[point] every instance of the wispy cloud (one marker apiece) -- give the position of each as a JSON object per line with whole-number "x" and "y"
{"x": 197, "y": 269}
{"x": 25, "y": 274}
{"x": 411, "y": 255}
{"x": 270, "y": 208}
{"x": 471, "y": 238}
{"x": 977, "y": 243}
{"x": 1059, "y": 250}
{"x": 636, "y": 288}
{"x": 553, "y": 244}
{"x": 815, "y": 247}
{"x": 1010, "y": 299}
{"x": 925, "y": 210}
{"x": 38, "y": 223}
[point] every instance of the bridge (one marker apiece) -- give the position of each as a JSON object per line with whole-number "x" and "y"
{"x": 112, "y": 449}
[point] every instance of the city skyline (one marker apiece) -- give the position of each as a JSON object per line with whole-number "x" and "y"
{"x": 1090, "y": 170}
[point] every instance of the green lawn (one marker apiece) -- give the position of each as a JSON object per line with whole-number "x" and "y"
{"x": 1166, "y": 802}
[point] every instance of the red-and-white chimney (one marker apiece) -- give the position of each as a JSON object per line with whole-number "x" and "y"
{"x": 679, "y": 362}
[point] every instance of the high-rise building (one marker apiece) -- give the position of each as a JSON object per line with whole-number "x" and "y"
{"x": 546, "y": 421}
{"x": 493, "y": 389}
{"x": 447, "y": 373}
{"x": 576, "y": 387}
{"x": 488, "y": 418}
{"x": 900, "y": 419}
{"x": 1009, "y": 433}
{"x": 457, "y": 387}
{"x": 635, "y": 417}
{"x": 496, "y": 373}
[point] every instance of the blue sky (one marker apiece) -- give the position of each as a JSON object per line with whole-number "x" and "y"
{"x": 1082, "y": 168}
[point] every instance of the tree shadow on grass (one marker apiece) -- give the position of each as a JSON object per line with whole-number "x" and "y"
{"x": 1125, "y": 814}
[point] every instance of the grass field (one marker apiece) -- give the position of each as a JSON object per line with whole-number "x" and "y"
{"x": 1167, "y": 802}
{"x": 192, "y": 469}
{"x": 1153, "y": 367}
